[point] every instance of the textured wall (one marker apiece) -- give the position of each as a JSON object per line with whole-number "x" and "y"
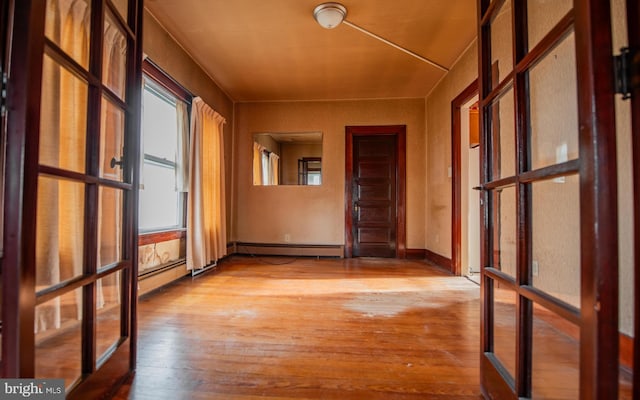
{"x": 438, "y": 151}
{"x": 315, "y": 215}
{"x": 160, "y": 47}
{"x": 625, "y": 184}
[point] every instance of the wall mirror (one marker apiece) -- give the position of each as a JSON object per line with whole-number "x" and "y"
{"x": 287, "y": 158}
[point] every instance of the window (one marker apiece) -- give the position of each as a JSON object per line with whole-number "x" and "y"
{"x": 310, "y": 171}
{"x": 266, "y": 167}
{"x": 161, "y": 199}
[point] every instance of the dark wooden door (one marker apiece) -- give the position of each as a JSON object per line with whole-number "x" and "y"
{"x": 375, "y": 191}
{"x": 70, "y": 210}
{"x": 549, "y": 248}
{"x": 374, "y": 196}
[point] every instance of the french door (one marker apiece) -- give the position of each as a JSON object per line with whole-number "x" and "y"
{"x": 549, "y": 237}
{"x": 70, "y": 232}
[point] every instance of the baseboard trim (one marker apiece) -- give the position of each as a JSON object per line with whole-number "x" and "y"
{"x": 438, "y": 260}
{"x": 415, "y": 254}
{"x": 288, "y": 249}
{"x": 231, "y": 248}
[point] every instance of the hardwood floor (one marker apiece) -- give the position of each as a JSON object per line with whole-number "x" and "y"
{"x": 283, "y": 328}
{"x": 310, "y": 329}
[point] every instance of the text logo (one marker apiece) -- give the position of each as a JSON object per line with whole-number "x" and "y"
{"x": 43, "y": 389}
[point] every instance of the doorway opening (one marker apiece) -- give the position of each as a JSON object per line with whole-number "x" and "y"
{"x": 465, "y": 212}
{"x": 470, "y": 167}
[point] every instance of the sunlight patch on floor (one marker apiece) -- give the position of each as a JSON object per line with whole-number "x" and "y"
{"x": 390, "y": 304}
{"x": 341, "y": 285}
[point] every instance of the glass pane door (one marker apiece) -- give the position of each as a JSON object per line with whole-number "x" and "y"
{"x": 82, "y": 257}
{"x": 73, "y": 187}
{"x": 543, "y": 219}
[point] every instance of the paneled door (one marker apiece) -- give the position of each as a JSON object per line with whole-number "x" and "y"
{"x": 375, "y": 191}
{"x": 549, "y": 240}
{"x": 70, "y": 254}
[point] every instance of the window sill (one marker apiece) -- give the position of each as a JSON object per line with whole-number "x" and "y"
{"x": 162, "y": 236}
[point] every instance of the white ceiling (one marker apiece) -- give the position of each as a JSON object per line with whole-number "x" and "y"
{"x": 273, "y": 50}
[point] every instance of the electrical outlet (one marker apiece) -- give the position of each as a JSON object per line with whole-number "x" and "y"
{"x": 287, "y": 237}
{"x": 535, "y": 268}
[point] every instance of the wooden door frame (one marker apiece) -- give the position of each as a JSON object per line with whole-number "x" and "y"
{"x": 456, "y": 177}
{"x": 399, "y": 131}
{"x": 633, "y": 13}
{"x": 18, "y": 264}
{"x": 599, "y": 335}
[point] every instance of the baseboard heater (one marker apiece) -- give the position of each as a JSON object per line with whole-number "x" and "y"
{"x": 161, "y": 268}
{"x": 288, "y": 249}
{"x": 198, "y": 271}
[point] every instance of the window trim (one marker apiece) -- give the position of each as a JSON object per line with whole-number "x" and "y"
{"x": 157, "y": 77}
{"x": 155, "y": 73}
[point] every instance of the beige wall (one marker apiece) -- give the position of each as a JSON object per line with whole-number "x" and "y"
{"x": 625, "y": 183}
{"x": 438, "y": 151}
{"x": 160, "y": 47}
{"x": 315, "y": 214}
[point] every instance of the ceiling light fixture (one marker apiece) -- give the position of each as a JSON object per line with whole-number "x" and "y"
{"x": 330, "y": 15}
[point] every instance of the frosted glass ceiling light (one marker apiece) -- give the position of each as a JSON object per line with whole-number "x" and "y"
{"x": 330, "y": 15}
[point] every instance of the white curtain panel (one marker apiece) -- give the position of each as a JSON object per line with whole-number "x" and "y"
{"x": 206, "y": 209}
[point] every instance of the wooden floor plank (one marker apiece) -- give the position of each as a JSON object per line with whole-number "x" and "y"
{"x": 279, "y": 328}
{"x": 282, "y": 328}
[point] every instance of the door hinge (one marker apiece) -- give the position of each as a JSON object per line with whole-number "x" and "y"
{"x": 626, "y": 71}
{"x": 3, "y": 93}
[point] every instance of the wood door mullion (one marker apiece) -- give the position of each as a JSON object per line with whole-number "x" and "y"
{"x": 598, "y": 198}
{"x": 486, "y": 247}
{"x": 133, "y": 97}
{"x": 524, "y": 306}
{"x": 495, "y": 172}
{"x": 633, "y": 16}
{"x": 18, "y": 264}
{"x": 91, "y": 211}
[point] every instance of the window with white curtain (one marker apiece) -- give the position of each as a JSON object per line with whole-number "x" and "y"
{"x": 266, "y": 166}
{"x": 161, "y": 201}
